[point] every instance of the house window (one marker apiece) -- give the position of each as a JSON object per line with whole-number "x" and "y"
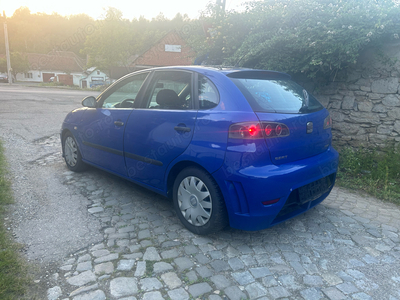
{"x": 98, "y": 72}
{"x": 28, "y": 75}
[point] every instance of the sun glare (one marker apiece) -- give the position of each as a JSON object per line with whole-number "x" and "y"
{"x": 131, "y": 9}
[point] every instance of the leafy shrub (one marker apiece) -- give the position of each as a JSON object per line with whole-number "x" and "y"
{"x": 54, "y": 83}
{"x": 314, "y": 38}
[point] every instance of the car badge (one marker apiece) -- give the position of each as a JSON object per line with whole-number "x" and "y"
{"x": 310, "y": 127}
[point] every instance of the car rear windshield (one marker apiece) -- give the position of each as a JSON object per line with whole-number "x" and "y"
{"x": 280, "y": 95}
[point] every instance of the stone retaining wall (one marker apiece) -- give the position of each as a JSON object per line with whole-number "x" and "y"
{"x": 365, "y": 107}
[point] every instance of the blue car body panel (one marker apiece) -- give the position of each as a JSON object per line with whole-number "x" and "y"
{"x": 299, "y": 144}
{"x": 144, "y": 146}
{"x": 102, "y": 137}
{"x": 151, "y": 142}
{"x": 246, "y": 184}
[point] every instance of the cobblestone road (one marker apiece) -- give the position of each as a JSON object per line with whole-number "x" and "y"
{"x": 134, "y": 247}
{"x": 346, "y": 248}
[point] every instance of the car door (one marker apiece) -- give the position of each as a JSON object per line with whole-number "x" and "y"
{"x": 162, "y": 128}
{"x": 103, "y": 132}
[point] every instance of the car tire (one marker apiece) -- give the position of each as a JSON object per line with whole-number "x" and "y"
{"x": 72, "y": 155}
{"x": 198, "y": 201}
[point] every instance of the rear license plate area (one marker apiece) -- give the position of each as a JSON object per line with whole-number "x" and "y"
{"x": 315, "y": 189}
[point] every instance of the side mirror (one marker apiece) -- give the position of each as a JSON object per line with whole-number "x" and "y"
{"x": 89, "y": 101}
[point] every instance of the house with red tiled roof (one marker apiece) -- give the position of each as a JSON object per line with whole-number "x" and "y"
{"x": 62, "y": 64}
{"x": 170, "y": 50}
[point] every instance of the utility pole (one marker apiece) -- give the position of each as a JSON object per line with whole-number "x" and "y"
{"x": 9, "y": 75}
{"x": 221, "y": 7}
{"x": 219, "y": 43}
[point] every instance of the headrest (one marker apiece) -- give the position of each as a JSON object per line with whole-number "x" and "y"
{"x": 168, "y": 97}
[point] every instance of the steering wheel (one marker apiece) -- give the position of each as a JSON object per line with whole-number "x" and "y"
{"x": 127, "y": 103}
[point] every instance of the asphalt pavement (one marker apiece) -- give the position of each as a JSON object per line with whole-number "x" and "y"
{"x": 96, "y": 236}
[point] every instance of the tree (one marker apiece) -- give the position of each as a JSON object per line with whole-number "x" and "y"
{"x": 109, "y": 44}
{"x": 3, "y": 65}
{"x": 78, "y": 28}
{"x": 43, "y": 33}
{"x": 111, "y": 41}
{"x": 19, "y": 63}
{"x": 22, "y": 30}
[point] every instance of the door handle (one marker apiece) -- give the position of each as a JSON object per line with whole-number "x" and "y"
{"x": 119, "y": 123}
{"x": 182, "y": 128}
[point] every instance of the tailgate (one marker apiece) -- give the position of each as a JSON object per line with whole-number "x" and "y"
{"x": 307, "y": 136}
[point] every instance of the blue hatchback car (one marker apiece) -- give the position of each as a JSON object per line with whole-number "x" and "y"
{"x": 239, "y": 147}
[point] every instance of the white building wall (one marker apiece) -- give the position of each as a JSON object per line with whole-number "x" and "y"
{"x": 96, "y": 74}
{"x": 30, "y": 76}
{"x": 77, "y": 78}
{"x": 37, "y": 76}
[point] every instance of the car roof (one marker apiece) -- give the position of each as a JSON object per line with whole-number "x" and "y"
{"x": 232, "y": 72}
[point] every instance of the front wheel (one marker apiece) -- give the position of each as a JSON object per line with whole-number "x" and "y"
{"x": 72, "y": 155}
{"x": 198, "y": 202}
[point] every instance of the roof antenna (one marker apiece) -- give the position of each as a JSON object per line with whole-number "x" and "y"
{"x": 237, "y": 64}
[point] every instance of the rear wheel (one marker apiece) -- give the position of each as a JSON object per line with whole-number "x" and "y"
{"x": 72, "y": 155}
{"x": 198, "y": 201}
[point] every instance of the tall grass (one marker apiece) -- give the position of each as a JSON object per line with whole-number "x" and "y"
{"x": 376, "y": 172}
{"x": 13, "y": 272}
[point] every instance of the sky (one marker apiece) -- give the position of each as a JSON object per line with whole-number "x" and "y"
{"x": 130, "y": 8}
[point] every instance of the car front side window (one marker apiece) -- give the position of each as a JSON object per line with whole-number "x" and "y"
{"x": 124, "y": 94}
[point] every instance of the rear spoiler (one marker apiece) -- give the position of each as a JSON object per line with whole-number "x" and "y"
{"x": 258, "y": 74}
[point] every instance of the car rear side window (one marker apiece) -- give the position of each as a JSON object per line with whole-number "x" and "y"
{"x": 208, "y": 94}
{"x": 277, "y": 95}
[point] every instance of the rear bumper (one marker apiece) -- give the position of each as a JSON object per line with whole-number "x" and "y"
{"x": 299, "y": 186}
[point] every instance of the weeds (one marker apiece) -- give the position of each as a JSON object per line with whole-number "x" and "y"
{"x": 13, "y": 272}
{"x": 149, "y": 267}
{"x": 168, "y": 260}
{"x": 376, "y": 172}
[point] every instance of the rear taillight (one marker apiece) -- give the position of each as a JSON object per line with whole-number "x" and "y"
{"x": 268, "y": 130}
{"x": 272, "y": 129}
{"x": 252, "y": 130}
{"x": 328, "y": 122}
{"x": 246, "y": 130}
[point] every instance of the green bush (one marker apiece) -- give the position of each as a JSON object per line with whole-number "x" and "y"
{"x": 313, "y": 38}
{"x": 54, "y": 83}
